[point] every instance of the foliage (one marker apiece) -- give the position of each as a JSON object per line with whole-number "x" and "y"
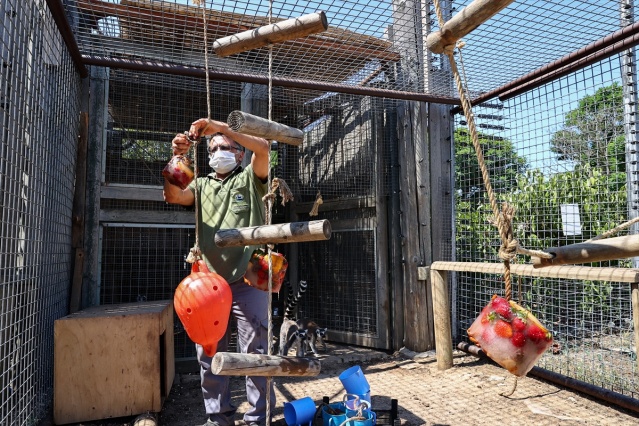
{"x": 593, "y": 133}
{"x": 501, "y": 158}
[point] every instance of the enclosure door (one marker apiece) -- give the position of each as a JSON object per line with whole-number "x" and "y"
{"x": 344, "y": 160}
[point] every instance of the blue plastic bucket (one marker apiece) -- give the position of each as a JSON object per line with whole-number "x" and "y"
{"x": 354, "y": 381}
{"x": 370, "y": 418}
{"x": 338, "y": 415}
{"x": 299, "y": 412}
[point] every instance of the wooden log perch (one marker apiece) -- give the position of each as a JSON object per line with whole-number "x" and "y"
{"x": 257, "y": 126}
{"x": 469, "y": 18}
{"x": 594, "y": 251}
{"x": 294, "y": 232}
{"x": 270, "y": 34}
{"x": 236, "y": 364}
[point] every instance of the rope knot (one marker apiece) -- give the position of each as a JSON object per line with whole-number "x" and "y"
{"x": 194, "y": 254}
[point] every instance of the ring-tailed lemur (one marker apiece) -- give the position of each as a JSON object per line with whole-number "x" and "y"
{"x": 290, "y": 333}
{"x": 314, "y": 335}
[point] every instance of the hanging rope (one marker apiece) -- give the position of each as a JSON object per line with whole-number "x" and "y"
{"x": 502, "y": 219}
{"x": 269, "y": 205}
{"x": 195, "y": 253}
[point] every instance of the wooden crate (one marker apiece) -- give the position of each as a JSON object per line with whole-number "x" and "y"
{"x": 113, "y": 361}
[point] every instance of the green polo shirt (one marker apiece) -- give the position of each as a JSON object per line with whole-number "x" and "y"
{"x": 235, "y": 202}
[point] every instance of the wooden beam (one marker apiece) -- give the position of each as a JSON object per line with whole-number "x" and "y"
{"x": 569, "y": 272}
{"x": 253, "y": 125}
{"x": 441, "y": 313}
{"x": 635, "y": 317}
{"x": 134, "y": 216}
{"x": 140, "y": 193}
{"x": 278, "y": 32}
{"x": 594, "y": 251}
{"x": 236, "y": 364}
{"x": 294, "y": 232}
{"x": 469, "y": 18}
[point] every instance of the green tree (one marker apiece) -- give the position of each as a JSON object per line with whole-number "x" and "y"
{"x": 503, "y": 163}
{"x": 593, "y": 133}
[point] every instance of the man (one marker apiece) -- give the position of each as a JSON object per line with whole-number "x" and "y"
{"x": 230, "y": 197}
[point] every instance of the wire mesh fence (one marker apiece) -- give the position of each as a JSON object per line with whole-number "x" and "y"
{"x": 39, "y": 108}
{"x": 561, "y": 156}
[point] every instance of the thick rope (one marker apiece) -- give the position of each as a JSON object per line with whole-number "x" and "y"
{"x": 269, "y": 206}
{"x": 318, "y": 202}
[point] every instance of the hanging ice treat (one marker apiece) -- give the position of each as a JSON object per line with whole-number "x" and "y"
{"x": 510, "y": 335}
{"x": 257, "y": 272}
{"x": 203, "y": 303}
{"x": 178, "y": 171}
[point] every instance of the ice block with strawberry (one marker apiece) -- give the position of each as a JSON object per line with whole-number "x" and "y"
{"x": 178, "y": 171}
{"x": 257, "y": 272}
{"x": 510, "y": 335}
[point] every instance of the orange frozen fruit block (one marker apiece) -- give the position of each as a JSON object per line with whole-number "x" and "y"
{"x": 510, "y": 335}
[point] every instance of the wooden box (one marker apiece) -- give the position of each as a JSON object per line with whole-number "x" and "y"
{"x": 113, "y": 361}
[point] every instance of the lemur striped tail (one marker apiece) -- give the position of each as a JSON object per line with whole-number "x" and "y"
{"x": 291, "y": 302}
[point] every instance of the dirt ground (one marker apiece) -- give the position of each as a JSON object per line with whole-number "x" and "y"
{"x": 470, "y": 393}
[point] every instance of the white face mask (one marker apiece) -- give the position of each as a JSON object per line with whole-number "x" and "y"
{"x": 223, "y": 161}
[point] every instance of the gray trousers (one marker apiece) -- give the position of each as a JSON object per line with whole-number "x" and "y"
{"x": 250, "y": 309}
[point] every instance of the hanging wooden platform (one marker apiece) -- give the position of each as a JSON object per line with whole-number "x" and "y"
{"x": 271, "y": 34}
{"x": 253, "y": 125}
{"x": 235, "y": 364}
{"x": 294, "y": 232}
{"x": 594, "y": 251}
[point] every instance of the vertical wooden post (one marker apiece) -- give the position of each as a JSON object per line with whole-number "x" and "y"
{"x": 635, "y": 315}
{"x": 441, "y": 310}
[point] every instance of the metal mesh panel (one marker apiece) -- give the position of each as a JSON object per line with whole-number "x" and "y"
{"x": 39, "y": 107}
{"x": 342, "y": 297}
{"x": 558, "y": 155}
{"x": 146, "y": 264}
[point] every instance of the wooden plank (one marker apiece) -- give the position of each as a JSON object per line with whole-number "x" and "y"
{"x": 135, "y": 216}
{"x": 107, "y": 361}
{"x": 333, "y": 205}
{"x": 566, "y": 272}
{"x": 294, "y": 232}
{"x": 79, "y": 195}
{"x": 441, "y": 310}
{"x": 236, "y": 364}
{"x": 131, "y": 193}
{"x": 76, "y": 284}
{"x": 465, "y": 21}
{"x": 279, "y": 32}
{"x": 595, "y": 251}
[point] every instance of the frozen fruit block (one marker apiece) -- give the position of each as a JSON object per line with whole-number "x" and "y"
{"x": 510, "y": 335}
{"x": 178, "y": 171}
{"x": 257, "y": 272}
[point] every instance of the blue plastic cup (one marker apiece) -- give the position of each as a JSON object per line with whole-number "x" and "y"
{"x": 333, "y": 414}
{"x": 299, "y": 412}
{"x": 354, "y": 381}
{"x": 370, "y": 418}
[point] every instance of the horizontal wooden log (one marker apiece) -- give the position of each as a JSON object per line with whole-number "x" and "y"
{"x": 294, "y": 232}
{"x": 620, "y": 275}
{"x": 253, "y": 125}
{"x": 278, "y": 32}
{"x": 465, "y": 21}
{"x": 594, "y": 251}
{"x": 236, "y": 364}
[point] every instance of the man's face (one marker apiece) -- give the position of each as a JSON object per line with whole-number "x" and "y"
{"x": 223, "y": 143}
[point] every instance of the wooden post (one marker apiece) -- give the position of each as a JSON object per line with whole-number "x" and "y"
{"x": 271, "y": 34}
{"x": 257, "y": 126}
{"x": 594, "y": 251}
{"x": 441, "y": 313}
{"x": 635, "y": 316}
{"x": 465, "y": 21}
{"x": 294, "y": 232}
{"x": 236, "y": 364}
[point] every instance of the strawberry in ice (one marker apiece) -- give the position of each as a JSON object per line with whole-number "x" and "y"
{"x": 510, "y": 335}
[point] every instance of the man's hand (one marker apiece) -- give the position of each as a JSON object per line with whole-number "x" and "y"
{"x": 180, "y": 144}
{"x": 205, "y": 127}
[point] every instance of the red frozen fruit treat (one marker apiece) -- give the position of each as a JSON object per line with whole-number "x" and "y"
{"x": 510, "y": 335}
{"x": 178, "y": 171}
